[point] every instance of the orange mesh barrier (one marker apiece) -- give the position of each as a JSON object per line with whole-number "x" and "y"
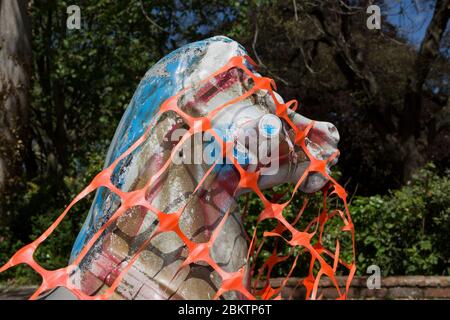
{"x": 308, "y": 240}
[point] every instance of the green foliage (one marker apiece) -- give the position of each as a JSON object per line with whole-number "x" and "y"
{"x": 406, "y": 232}
{"x": 36, "y": 209}
{"x": 84, "y": 79}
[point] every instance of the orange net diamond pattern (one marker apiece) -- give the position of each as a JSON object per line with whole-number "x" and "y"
{"x": 200, "y": 252}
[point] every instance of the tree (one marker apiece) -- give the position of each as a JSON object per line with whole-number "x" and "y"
{"x": 384, "y": 95}
{"x": 15, "y": 73}
{"x": 409, "y": 126}
{"x": 80, "y": 84}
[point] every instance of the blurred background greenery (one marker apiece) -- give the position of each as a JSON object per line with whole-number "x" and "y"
{"x": 385, "y": 90}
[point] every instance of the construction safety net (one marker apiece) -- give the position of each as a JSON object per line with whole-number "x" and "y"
{"x": 299, "y": 238}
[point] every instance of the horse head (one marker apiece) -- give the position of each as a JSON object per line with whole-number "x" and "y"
{"x": 200, "y": 119}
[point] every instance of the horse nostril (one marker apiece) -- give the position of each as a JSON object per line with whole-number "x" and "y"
{"x": 333, "y": 134}
{"x": 323, "y": 140}
{"x": 331, "y": 128}
{"x": 335, "y": 159}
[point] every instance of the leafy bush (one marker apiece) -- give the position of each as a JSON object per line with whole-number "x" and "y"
{"x": 36, "y": 208}
{"x": 407, "y": 231}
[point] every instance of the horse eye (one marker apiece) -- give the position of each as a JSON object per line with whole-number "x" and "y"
{"x": 269, "y": 125}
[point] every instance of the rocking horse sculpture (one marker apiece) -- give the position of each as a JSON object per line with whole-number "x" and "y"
{"x": 202, "y": 129}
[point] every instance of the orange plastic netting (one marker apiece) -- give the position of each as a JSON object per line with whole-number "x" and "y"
{"x": 200, "y": 252}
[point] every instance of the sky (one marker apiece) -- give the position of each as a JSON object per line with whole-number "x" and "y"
{"x": 412, "y": 17}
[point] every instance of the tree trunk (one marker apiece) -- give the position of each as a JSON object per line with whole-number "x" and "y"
{"x": 15, "y": 72}
{"x": 409, "y": 130}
